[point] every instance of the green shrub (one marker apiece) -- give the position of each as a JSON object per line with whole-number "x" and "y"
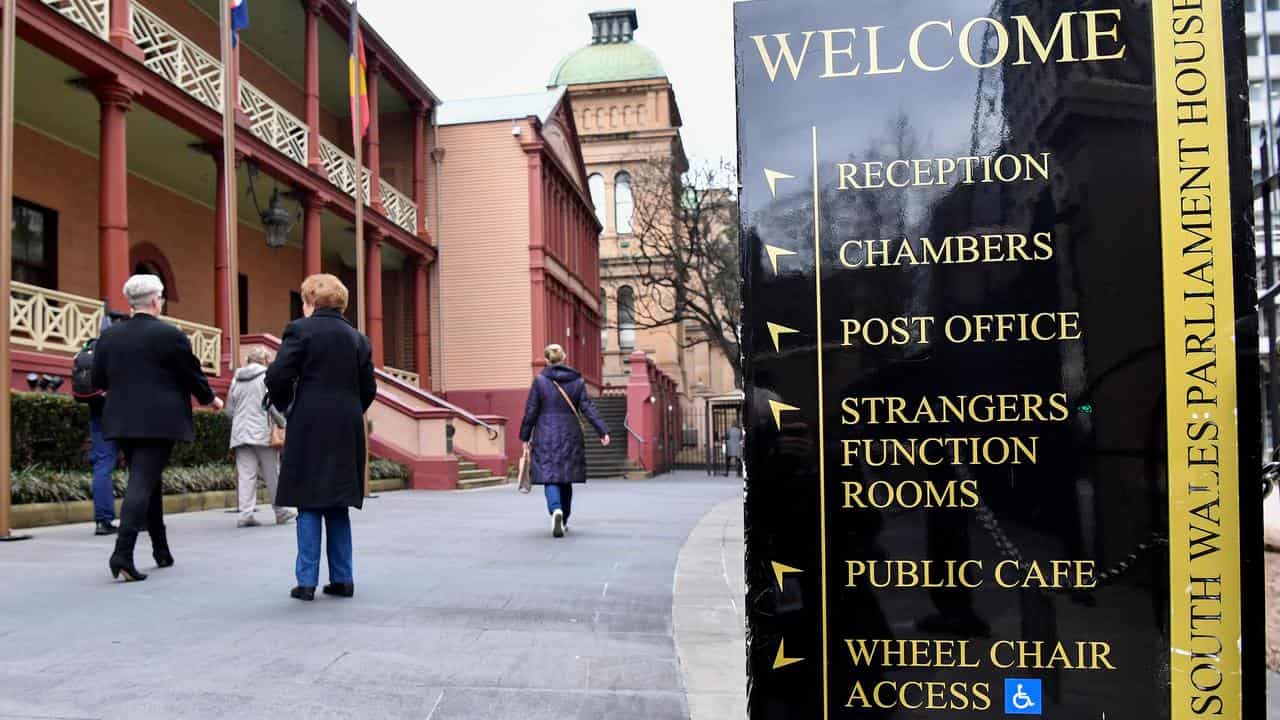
{"x": 43, "y": 484}
{"x": 212, "y": 438}
{"x": 380, "y": 469}
{"x": 52, "y": 431}
{"x": 49, "y": 430}
{"x": 36, "y": 484}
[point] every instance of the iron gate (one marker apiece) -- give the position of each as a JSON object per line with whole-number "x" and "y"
{"x": 710, "y": 427}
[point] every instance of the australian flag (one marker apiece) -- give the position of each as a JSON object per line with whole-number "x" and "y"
{"x": 239, "y": 19}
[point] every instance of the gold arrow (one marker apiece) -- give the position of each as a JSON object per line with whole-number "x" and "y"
{"x": 775, "y": 330}
{"x": 776, "y": 252}
{"x": 773, "y": 176}
{"x": 779, "y": 408}
{"x": 779, "y": 570}
{"x": 782, "y": 660}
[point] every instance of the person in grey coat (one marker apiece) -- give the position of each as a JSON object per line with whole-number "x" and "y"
{"x": 251, "y": 423}
{"x": 552, "y": 433}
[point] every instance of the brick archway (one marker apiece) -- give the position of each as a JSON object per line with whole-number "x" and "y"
{"x": 153, "y": 259}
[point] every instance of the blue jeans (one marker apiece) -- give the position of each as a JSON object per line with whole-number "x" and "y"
{"x": 559, "y": 497}
{"x": 338, "y": 523}
{"x": 102, "y": 457}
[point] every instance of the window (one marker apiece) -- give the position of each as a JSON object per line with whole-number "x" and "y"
{"x": 1252, "y": 46}
{"x": 1273, "y": 4}
{"x": 595, "y": 184}
{"x": 622, "y": 203}
{"x": 626, "y": 318}
{"x": 604, "y": 319}
{"x": 1251, "y": 5}
{"x": 35, "y": 244}
{"x": 1255, "y": 91}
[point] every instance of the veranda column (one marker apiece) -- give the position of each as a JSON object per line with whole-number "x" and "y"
{"x": 373, "y": 142}
{"x": 312, "y": 8}
{"x": 114, "y": 99}
{"x": 420, "y": 166}
{"x": 221, "y": 259}
{"x": 119, "y": 33}
{"x": 421, "y": 329}
{"x": 373, "y": 288}
{"x": 312, "y": 256}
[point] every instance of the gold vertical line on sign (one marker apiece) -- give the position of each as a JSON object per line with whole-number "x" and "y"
{"x": 822, "y": 434}
{"x": 1196, "y": 247}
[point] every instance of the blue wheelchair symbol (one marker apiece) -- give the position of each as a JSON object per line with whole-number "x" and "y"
{"x": 1022, "y": 696}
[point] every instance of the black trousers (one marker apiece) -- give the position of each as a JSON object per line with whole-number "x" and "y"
{"x": 143, "y": 506}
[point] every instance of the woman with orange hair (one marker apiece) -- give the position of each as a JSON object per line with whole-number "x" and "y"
{"x": 323, "y": 379}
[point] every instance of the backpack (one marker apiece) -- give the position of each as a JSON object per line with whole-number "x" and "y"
{"x": 82, "y": 374}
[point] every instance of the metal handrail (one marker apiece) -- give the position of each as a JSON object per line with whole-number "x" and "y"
{"x": 626, "y": 424}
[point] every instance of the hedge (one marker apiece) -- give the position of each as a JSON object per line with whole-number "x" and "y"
{"x": 52, "y": 431}
{"x": 39, "y": 485}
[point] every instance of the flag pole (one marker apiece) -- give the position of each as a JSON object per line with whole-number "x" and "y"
{"x": 7, "y": 40}
{"x": 230, "y": 176}
{"x": 357, "y": 146}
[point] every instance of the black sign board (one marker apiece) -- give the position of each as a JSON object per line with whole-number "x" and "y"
{"x": 1003, "y": 431}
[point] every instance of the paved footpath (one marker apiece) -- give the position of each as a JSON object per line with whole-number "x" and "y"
{"x": 466, "y": 609}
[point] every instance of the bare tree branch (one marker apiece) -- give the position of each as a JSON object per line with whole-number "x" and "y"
{"x": 686, "y": 254}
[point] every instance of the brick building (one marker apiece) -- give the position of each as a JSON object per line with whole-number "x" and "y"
{"x": 118, "y": 165}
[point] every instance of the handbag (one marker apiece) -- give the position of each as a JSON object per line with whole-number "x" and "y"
{"x": 525, "y": 477}
{"x": 277, "y": 436}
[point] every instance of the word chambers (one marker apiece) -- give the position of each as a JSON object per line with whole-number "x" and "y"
{"x": 1085, "y": 36}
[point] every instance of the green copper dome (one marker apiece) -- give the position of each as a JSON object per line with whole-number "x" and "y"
{"x": 611, "y": 62}
{"x": 612, "y": 56}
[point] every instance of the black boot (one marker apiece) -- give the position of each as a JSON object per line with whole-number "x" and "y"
{"x": 160, "y": 548}
{"x": 345, "y": 590}
{"x": 121, "y": 562}
{"x": 104, "y": 528}
{"x": 303, "y": 593}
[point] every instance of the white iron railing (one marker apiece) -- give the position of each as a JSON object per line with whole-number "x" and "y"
{"x": 48, "y": 320}
{"x": 399, "y": 208}
{"x": 53, "y": 321}
{"x": 176, "y": 58}
{"x": 171, "y": 55}
{"x": 404, "y": 376}
{"x": 92, "y": 15}
{"x": 273, "y": 124}
{"x": 206, "y": 343}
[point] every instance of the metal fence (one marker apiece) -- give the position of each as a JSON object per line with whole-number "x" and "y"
{"x": 1266, "y": 195}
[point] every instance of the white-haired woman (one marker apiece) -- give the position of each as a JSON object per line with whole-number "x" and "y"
{"x": 147, "y": 369}
{"x": 251, "y": 422}
{"x": 552, "y": 432}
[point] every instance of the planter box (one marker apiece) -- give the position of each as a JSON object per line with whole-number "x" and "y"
{"x": 81, "y": 511}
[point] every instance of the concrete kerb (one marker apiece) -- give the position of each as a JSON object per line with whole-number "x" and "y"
{"x": 708, "y": 615}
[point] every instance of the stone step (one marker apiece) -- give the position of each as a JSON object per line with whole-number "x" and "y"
{"x": 473, "y": 474}
{"x": 481, "y": 482}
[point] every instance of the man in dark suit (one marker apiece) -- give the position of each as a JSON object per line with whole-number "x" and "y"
{"x": 149, "y": 373}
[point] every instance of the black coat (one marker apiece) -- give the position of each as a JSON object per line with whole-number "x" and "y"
{"x": 323, "y": 376}
{"x": 150, "y": 375}
{"x": 559, "y": 453}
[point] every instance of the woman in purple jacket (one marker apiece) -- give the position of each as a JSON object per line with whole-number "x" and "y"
{"x": 552, "y": 429}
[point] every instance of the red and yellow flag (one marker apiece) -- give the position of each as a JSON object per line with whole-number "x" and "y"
{"x": 359, "y": 85}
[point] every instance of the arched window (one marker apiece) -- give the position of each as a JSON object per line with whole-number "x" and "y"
{"x": 622, "y": 203}
{"x": 604, "y": 318}
{"x": 595, "y": 184}
{"x": 626, "y": 318}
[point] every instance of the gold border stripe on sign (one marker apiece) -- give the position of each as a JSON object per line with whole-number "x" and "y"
{"x": 1196, "y": 236}
{"x": 822, "y": 434}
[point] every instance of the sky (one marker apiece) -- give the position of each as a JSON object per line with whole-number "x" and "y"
{"x": 481, "y": 48}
